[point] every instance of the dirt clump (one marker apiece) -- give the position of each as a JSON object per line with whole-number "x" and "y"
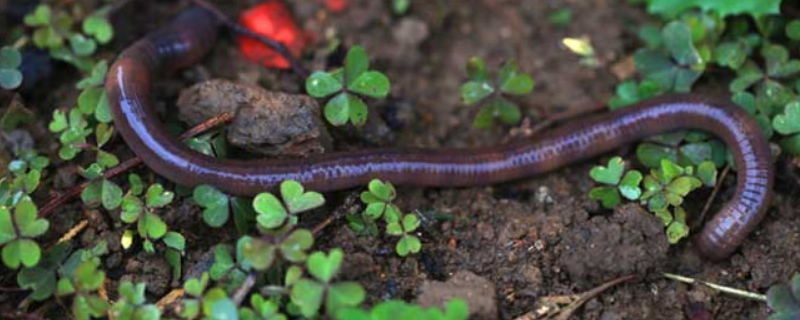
{"x": 265, "y": 122}
{"x": 631, "y": 241}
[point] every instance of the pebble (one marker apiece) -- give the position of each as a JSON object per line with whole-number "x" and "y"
{"x": 265, "y": 122}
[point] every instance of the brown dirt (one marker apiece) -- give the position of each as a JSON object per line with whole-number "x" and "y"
{"x": 531, "y": 239}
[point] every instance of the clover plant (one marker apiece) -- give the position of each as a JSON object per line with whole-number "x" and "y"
{"x": 18, "y": 226}
{"x": 492, "y": 93}
{"x": 347, "y": 86}
{"x": 662, "y": 190}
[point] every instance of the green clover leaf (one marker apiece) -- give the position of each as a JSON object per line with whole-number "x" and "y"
{"x": 610, "y": 174}
{"x": 215, "y": 203}
{"x": 297, "y": 200}
{"x": 324, "y": 267}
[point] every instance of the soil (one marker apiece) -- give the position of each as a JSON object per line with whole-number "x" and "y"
{"x": 529, "y": 239}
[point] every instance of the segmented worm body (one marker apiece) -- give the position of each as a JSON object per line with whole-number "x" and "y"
{"x": 189, "y": 37}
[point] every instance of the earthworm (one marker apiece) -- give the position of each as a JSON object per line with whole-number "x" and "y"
{"x": 191, "y": 34}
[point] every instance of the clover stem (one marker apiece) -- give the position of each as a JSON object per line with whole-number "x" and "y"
{"x": 242, "y": 292}
{"x": 721, "y": 288}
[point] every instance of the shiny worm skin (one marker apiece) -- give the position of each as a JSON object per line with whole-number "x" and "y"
{"x": 183, "y": 42}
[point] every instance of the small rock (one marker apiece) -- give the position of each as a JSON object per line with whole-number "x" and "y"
{"x": 265, "y": 122}
{"x": 411, "y": 31}
{"x": 478, "y": 292}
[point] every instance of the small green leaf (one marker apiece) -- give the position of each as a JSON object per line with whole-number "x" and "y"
{"x": 707, "y": 172}
{"x": 81, "y": 45}
{"x": 356, "y": 63}
{"x": 157, "y": 197}
{"x": 39, "y": 17}
{"x": 611, "y": 174}
{"x": 793, "y": 30}
{"x": 307, "y": 295}
{"x": 156, "y": 228}
{"x": 10, "y": 58}
{"x": 324, "y": 267}
{"x": 474, "y": 91}
{"x": 297, "y": 200}
{"x": 195, "y": 287}
{"x": 384, "y": 191}
{"x": 322, "y": 84}
{"x": 337, "y": 110}
{"x": 608, "y": 196}
{"x": 103, "y": 110}
{"x": 64, "y": 287}
{"x": 476, "y": 69}
{"x": 344, "y": 295}
{"x": 216, "y": 205}
{"x": 88, "y": 99}
{"x": 789, "y": 121}
{"x": 410, "y": 222}
{"x": 257, "y": 253}
{"x": 131, "y": 208}
{"x": 99, "y": 27}
{"x": 408, "y": 244}
{"x": 59, "y": 122}
{"x": 111, "y": 195}
{"x": 629, "y": 186}
{"x": 175, "y": 241}
{"x": 10, "y": 78}
{"x": 21, "y": 251}
{"x": 294, "y": 247}
{"x": 677, "y": 230}
{"x": 394, "y": 229}
{"x": 678, "y": 40}
{"x": 518, "y": 84}
{"x": 358, "y": 110}
{"x": 271, "y": 213}
{"x": 7, "y": 232}
{"x": 372, "y": 84}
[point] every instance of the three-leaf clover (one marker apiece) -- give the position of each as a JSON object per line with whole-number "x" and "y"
{"x": 10, "y": 60}
{"x": 408, "y": 243}
{"x": 490, "y": 93}
{"x": 615, "y": 183}
{"x": 273, "y": 214}
{"x": 677, "y": 64}
{"x": 86, "y": 281}
{"x": 308, "y": 294}
{"x": 17, "y": 230}
{"x": 149, "y": 225}
{"x": 771, "y": 94}
{"x": 380, "y": 201}
{"x": 345, "y": 85}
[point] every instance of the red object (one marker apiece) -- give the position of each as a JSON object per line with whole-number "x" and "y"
{"x": 273, "y": 20}
{"x": 335, "y": 5}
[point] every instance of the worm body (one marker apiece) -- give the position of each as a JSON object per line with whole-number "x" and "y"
{"x": 183, "y": 42}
